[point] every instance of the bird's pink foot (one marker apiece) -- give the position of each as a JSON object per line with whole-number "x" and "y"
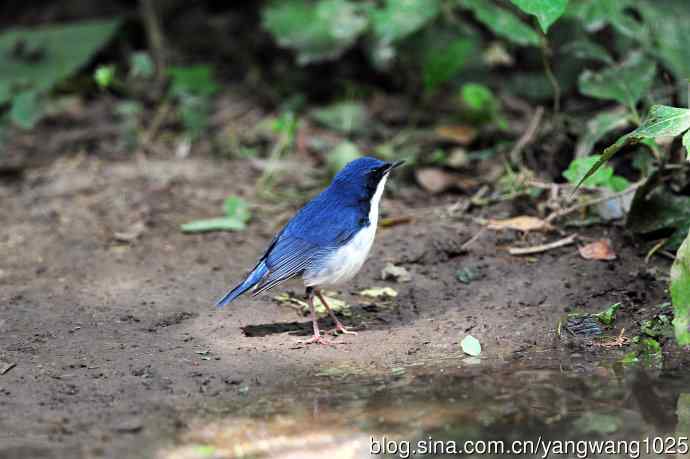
{"x": 340, "y": 328}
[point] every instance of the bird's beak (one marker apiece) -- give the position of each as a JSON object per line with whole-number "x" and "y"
{"x": 395, "y": 164}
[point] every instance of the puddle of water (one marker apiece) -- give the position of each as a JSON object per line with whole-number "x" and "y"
{"x": 347, "y": 415}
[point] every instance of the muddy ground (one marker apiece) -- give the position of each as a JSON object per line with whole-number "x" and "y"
{"x": 106, "y": 308}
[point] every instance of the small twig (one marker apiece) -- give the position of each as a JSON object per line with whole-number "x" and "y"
{"x": 528, "y": 136}
{"x": 154, "y": 35}
{"x": 543, "y": 247}
{"x": 160, "y": 115}
{"x": 471, "y": 240}
{"x": 546, "y": 59}
{"x": 7, "y": 368}
{"x": 569, "y": 210}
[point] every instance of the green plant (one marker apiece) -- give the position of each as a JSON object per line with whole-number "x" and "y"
{"x": 237, "y": 215}
{"x": 35, "y": 60}
{"x": 192, "y": 89}
{"x": 603, "y": 178}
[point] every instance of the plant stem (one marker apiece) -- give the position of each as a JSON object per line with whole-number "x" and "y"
{"x": 546, "y": 60}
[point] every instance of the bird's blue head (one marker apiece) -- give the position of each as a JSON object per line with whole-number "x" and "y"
{"x": 363, "y": 175}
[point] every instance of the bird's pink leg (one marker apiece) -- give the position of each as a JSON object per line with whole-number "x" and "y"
{"x": 338, "y": 326}
{"x": 317, "y": 338}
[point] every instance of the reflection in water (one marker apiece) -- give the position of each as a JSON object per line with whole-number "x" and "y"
{"x": 425, "y": 407}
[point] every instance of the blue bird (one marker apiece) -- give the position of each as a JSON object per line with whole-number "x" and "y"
{"x": 327, "y": 241}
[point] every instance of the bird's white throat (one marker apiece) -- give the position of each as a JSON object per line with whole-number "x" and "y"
{"x": 344, "y": 263}
{"x": 375, "y": 200}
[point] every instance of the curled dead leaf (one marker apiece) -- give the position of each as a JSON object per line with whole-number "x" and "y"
{"x": 460, "y": 134}
{"x": 523, "y": 223}
{"x": 436, "y": 180}
{"x": 597, "y": 250}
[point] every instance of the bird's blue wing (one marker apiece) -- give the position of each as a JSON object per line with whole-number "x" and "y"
{"x": 320, "y": 227}
{"x": 286, "y": 258}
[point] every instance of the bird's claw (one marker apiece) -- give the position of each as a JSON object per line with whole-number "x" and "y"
{"x": 341, "y": 329}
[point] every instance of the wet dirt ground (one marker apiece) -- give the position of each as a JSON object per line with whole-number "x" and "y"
{"x": 112, "y": 346}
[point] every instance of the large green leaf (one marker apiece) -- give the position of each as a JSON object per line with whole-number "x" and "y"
{"x": 595, "y": 14}
{"x": 603, "y": 177}
{"x": 444, "y": 62}
{"x": 502, "y": 22}
{"x": 680, "y": 293}
{"x": 319, "y": 30}
{"x": 546, "y": 11}
{"x": 586, "y": 49}
{"x": 401, "y": 18}
{"x": 662, "y": 121}
{"x": 26, "y": 109}
{"x": 38, "y": 58}
{"x": 670, "y": 30}
{"x": 345, "y": 116}
{"x": 625, "y": 83}
{"x": 603, "y": 123}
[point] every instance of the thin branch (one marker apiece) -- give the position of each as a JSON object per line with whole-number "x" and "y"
{"x": 528, "y": 136}
{"x": 569, "y": 210}
{"x": 154, "y": 35}
{"x": 543, "y": 247}
{"x": 546, "y": 60}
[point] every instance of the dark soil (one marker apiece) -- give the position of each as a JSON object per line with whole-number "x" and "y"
{"x": 106, "y": 308}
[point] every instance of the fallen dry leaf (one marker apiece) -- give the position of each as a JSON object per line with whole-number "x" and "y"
{"x": 597, "y": 250}
{"x": 460, "y": 134}
{"x": 395, "y": 273}
{"x": 523, "y": 223}
{"x": 436, "y": 180}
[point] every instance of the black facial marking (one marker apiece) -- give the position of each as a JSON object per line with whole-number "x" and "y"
{"x": 374, "y": 177}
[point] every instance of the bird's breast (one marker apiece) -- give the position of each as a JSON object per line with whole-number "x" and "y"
{"x": 344, "y": 262}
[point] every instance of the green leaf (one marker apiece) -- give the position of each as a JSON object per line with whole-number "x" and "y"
{"x": 400, "y": 18}
{"x": 197, "y": 80}
{"x": 649, "y": 352}
{"x": 630, "y": 359}
{"x": 104, "y": 76}
{"x": 237, "y": 215}
{"x": 38, "y": 58}
{"x": 346, "y": 117}
{"x": 379, "y": 292}
{"x": 213, "y": 224}
{"x": 607, "y": 316}
{"x": 597, "y": 127}
{"x": 680, "y": 293}
{"x": 588, "y": 50}
{"x": 141, "y": 65}
{"x": 593, "y": 14}
{"x": 625, "y": 83}
{"x": 502, "y": 22}
{"x": 318, "y": 31}
{"x": 443, "y": 63}
{"x": 26, "y": 109}
{"x": 670, "y": 29}
{"x": 579, "y": 167}
{"x": 468, "y": 274}
{"x": 237, "y": 208}
{"x": 662, "y": 121}
{"x": 471, "y": 346}
{"x": 686, "y": 143}
{"x": 546, "y": 11}
{"x": 342, "y": 154}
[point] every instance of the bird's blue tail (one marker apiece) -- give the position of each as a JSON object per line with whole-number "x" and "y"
{"x": 252, "y": 279}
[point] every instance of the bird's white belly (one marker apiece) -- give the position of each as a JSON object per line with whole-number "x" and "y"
{"x": 345, "y": 262}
